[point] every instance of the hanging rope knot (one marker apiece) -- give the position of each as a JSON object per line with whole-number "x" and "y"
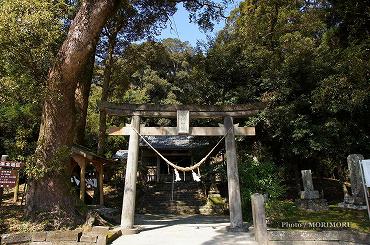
{"x": 195, "y": 176}
{"x": 177, "y": 175}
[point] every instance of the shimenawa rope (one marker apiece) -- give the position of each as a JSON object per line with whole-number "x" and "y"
{"x": 183, "y": 169}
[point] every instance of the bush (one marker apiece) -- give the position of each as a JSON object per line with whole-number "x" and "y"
{"x": 258, "y": 177}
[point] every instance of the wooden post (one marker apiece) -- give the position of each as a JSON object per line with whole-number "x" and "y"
{"x": 128, "y": 205}
{"x": 259, "y": 219}
{"x": 16, "y": 189}
{"x": 101, "y": 190}
{"x": 1, "y": 195}
{"x": 365, "y": 185}
{"x": 82, "y": 180}
{"x": 158, "y": 169}
{"x": 236, "y": 218}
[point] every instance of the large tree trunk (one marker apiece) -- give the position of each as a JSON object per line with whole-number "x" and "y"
{"x": 105, "y": 92}
{"x": 49, "y": 188}
{"x": 82, "y": 99}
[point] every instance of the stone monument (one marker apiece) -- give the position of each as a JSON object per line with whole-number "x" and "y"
{"x": 357, "y": 199}
{"x": 310, "y": 198}
{"x": 309, "y": 192}
{"x": 357, "y": 188}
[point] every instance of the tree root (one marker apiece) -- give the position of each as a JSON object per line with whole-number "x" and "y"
{"x": 94, "y": 218}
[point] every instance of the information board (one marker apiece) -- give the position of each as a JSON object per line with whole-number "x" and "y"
{"x": 366, "y": 169}
{"x": 8, "y": 178}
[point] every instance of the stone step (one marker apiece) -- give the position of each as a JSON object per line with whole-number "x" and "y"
{"x": 172, "y": 210}
{"x": 185, "y": 200}
{"x": 175, "y": 198}
{"x": 174, "y": 202}
{"x": 180, "y": 195}
{"x": 188, "y": 198}
{"x": 169, "y": 187}
{"x": 158, "y": 191}
{"x": 153, "y": 205}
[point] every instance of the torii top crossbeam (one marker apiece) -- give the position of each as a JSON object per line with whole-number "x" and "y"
{"x": 170, "y": 111}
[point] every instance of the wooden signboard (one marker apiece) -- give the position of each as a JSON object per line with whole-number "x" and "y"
{"x": 8, "y": 178}
{"x": 366, "y": 172}
{"x": 7, "y": 164}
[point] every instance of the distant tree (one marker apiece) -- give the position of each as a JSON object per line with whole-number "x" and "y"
{"x": 128, "y": 25}
{"x": 309, "y": 62}
{"x": 154, "y": 72}
{"x": 31, "y": 32}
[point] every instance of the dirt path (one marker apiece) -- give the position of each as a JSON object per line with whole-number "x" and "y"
{"x": 181, "y": 230}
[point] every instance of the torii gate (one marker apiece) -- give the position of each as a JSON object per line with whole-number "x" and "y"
{"x": 183, "y": 113}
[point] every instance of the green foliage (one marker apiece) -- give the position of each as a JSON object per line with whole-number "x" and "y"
{"x": 30, "y": 34}
{"x": 37, "y": 170}
{"x": 19, "y": 125}
{"x": 92, "y": 121}
{"x": 315, "y": 82}
{"x": 258, "y": 177}
{"x": 92, "y": 125}
{"x": 278, "y": 210}
{"x": 153, "y": 72}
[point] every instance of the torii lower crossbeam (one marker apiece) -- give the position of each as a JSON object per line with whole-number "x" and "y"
{"x": 194, "y": 131}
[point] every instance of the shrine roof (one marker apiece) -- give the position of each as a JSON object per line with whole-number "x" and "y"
{"x": 91, "y": 156}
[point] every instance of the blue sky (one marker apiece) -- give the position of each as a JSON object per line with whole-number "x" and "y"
{"x": 179, "y": 26}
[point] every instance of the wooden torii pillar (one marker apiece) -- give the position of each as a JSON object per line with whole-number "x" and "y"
{"x": 183, "y": 113}
{"x": 128, "y": 205}
{"x": 235, "y": 205}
